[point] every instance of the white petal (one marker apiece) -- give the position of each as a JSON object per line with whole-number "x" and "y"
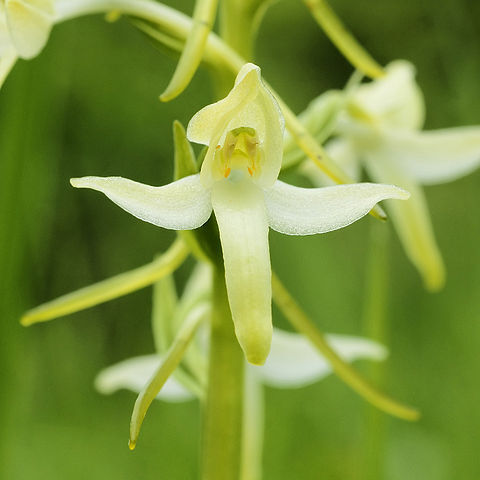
{"x": 211, "y": 121}
{"x": 5, "y": 41}
{"x": 294, "y": 361}
{"x": 181, "y": 205}
{"x": 29, "y": 22}
{"x": 134, "y": 373}
{"x": 306, "y": 211}
{"x": 249, "y": 104}
{"x": 394, "y": 100}
{"x": 240, "y": 211}
{"x": 435, "y": 156}
{"x": 411, "y": 221}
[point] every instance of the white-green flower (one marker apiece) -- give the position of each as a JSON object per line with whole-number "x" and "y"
{"x": 238, "y": 181}
{"x": 24, "y": 29}
{"x": 381, "y": 129}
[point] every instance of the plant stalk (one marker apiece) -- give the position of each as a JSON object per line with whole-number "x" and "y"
{"x": 222, "y": 422}
{"x": 376, "y": 327}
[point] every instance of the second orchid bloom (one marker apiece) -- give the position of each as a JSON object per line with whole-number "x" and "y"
{"x": 238, "y": 181}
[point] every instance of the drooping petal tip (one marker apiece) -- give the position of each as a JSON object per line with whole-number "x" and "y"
{"x": 255, "y": 346}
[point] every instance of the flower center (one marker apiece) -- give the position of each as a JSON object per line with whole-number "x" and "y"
{"x": 240, "y": 155}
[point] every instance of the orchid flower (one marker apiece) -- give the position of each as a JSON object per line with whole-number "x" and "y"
{"x": 238, "y": 181}
{"x": 24, "y": 29}
{"x": 381, "y": 127}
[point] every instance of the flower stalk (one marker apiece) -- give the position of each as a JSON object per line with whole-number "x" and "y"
{"x": 222, "y": 422}
{"x": 375, "y": 320}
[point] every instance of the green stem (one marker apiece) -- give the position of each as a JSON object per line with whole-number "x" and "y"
{"x": 237, "y": 26}
{"x": 222, "y": 423}
{"x": 376, "y": 328}
{"x": 253, "y": 427}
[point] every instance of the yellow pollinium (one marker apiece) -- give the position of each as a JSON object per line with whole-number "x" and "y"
{"x": 240, "y": 152}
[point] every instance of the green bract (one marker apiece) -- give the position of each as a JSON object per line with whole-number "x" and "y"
{"x": 238, "y": 181}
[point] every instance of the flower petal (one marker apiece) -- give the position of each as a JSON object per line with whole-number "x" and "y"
{"x": 5, "y": 41}
{"x": 211, "y": 121}
{"x": 295, "y": 362}
{"x": 181, "y": 205}
{"x": 394, "y": 100}
{"x": 306, "y": 211}
{"x": 435, "y": 156}
{"x": 240, "y": 211}
{"x": 249, "y": 104}
{"x": 134, "y": 373}
{"x": 29, "y": 22}
{"x": 411, "y": 221}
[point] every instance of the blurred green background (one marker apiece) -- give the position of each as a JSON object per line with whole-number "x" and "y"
{"x": 88, "y": 106}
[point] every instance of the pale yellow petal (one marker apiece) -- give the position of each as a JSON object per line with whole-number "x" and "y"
{"x": 242, "y": 220}
{"x": 29, "y": 23}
